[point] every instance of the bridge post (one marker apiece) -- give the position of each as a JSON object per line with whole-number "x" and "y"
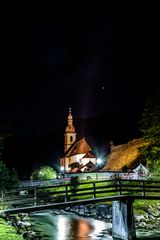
{"x": 66, "y": 194}
{"x": 35, "y": 196}
{"x": 123, "y": 220}
{"x": 143, "y": 190}
{"x": 94, "y": 190}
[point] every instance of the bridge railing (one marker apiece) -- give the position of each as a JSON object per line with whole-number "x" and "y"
{"x": 40, "y": 195}
{"x": 142, "y": 187}
{"x": 38, "y": 183}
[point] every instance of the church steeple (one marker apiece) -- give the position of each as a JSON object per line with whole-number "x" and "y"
{"x": 70, "y": 134}
{"x": 70, "y": 128}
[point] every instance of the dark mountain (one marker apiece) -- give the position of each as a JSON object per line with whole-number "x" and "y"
{"x": 26, "y": 153}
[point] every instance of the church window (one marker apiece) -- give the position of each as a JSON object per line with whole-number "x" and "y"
{"x": 71, "y": 138}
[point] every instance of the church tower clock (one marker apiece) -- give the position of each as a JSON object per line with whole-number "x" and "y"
{"x": 70, "y": 134}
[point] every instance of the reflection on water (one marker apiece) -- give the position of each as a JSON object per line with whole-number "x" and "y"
{"x": 82, "y": 228}
{"x": 72, "y": 227}
{"x": 69, "y": 227}
{"x": 143, "y": 234}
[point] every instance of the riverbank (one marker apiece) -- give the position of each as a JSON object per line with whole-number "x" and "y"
{"x": 8, "y": 232}
{"x": 147, "y": 214}
{"x": 17, "y": 227}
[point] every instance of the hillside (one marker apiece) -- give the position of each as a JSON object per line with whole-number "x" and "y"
{"x": 126, "y": 154}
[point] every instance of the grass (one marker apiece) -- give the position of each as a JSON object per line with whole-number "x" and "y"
{"x": 84, "y": 190}
{"x": 141, "y": 206}
{"x": 8, "y": 232}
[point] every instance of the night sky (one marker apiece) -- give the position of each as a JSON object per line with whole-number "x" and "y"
{"x": 102, "y": 63}
{"x": 93, "y": 61}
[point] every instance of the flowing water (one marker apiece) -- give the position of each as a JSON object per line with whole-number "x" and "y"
{"x": 67, "y": 226}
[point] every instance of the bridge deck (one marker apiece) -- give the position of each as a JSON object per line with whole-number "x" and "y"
{"x": 77, "y": 202}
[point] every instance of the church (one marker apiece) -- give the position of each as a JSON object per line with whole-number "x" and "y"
{"x": 78, "y": 156}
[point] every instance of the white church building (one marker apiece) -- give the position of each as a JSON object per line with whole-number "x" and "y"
{"x": 78, "y": 155}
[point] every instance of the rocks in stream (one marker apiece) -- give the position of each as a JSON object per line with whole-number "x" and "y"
{"x": 95, "y": 211}
{"x": 150, "y": 220}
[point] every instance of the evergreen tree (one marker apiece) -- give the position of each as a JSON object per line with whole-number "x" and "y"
{"x": 150, "y": 128}
{"x": 8, "y": 178}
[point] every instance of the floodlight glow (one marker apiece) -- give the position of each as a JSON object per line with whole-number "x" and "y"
{"x": 99, "y": 161}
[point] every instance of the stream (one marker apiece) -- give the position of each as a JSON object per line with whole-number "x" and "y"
{"x": 54, "y": 225}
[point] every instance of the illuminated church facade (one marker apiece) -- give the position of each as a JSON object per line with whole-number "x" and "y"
{"x": 78, "y": 156}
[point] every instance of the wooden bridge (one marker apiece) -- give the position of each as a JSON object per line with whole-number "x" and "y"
{"x": 121, "y": 192}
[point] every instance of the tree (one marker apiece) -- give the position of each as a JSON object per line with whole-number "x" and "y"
{"x": 8, "y": 178}
{"x": 4, "y": 172}
{"x": 44, "y": 173}
{"x": 150, "y": 128}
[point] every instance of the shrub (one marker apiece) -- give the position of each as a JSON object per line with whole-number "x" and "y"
{"x": 44, "y": 173}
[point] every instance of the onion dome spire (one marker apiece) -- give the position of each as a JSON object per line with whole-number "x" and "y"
{"x": 70, "y": 128}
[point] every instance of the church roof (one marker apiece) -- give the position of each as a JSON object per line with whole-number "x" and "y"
{"x": 89, "y": 164}
{"x": 89, "y": 155}
{"x": 70, "y": 129}
{"x": 79, "y": 147}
